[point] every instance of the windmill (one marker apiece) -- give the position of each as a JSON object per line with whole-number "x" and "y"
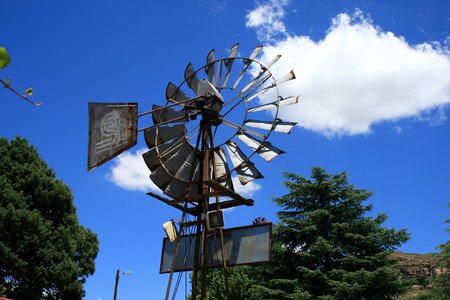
{"x": 210, "y": 119}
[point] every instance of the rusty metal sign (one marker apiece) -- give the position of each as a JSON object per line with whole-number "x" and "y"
{"x": 112, "y": 130}
{"x": 243, "y": 246}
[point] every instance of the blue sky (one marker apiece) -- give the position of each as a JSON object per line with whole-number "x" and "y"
{"x": 374, "y": 80}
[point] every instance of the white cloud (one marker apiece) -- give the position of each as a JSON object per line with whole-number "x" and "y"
{"x": 248, "y": 190}
{"x": 131, "y": 173}
{"x": 359, "y": 75}
{"x": 267, "y": 18}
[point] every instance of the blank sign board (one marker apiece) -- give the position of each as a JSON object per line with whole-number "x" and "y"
{"x": 243, "y": 245}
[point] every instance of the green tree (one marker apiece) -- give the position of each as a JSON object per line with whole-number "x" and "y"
{"x": 44, "y": 252}
{"x": 329, "y": 247}
{"x": 239, "y": 281}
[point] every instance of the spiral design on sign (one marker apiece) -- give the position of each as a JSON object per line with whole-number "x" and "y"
{"x": 110, "y": 125}
{"x": 110, "y": 131}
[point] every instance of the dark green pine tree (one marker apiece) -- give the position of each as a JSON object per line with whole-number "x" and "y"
{"x": 44, "y": 252}
{"x": 327, "y": 247}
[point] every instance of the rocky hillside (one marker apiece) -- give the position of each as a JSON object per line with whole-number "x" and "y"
{"x": 419, "y": 267}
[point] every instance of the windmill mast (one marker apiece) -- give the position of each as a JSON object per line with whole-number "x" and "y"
{"x": 207, "y": 144}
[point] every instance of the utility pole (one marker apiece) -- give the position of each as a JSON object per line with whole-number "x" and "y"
{"x": 117, "y": 284}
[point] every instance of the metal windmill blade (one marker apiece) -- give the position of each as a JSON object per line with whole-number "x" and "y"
{"x": 262, "y": 76}
{"x": 263, "y": 148}
{"x": 285, "y": 78}
{"x": 191, "y": 78}
{"x": 247, "y": 63}
{"x": 276, "y": 104}
{"x": 159, "y": 135}
{"x": 174, "y": 94}
{"x": 165, "y": 115}
{"x": 245, "y": 169}
{"x": 221, "y": 170}
{"x": 210, "y": 67}
{"x": 229, "y": 64}
{"x": 278, "y": 125}
{"x": 187, "y": 174}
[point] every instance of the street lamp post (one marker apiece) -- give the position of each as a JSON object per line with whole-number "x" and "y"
{"x": 118, "y": 273}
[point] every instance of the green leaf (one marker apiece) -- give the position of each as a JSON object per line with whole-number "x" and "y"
{"x": 7, "y": 83}
{"x": 4, "y": 58}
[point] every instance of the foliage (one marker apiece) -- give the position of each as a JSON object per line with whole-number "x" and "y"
{"x": 44, "y": 252}
{"x": 4, "y": 58}
{"x": 325, "y": 246}
{"x": 2, "y": 290}
{"x": 441, "y": 283}
{"x": 239, "y": 282}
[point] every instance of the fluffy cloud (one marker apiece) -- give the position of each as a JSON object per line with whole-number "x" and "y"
{"x": 359, "y": 75}
{"x": 131, "y": 173}
{"x": 266, "y": 19}
{"x": 248, "y": 190}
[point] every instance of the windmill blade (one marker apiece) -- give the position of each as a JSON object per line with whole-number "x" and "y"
{"x": 179, "y": 186}
{"x": 245, "y": 169}
{"x": 255, "y": 52}
{"x": 247, "y": 63}
{"x": 272, "y": 62}
{"x": 258, "y": 80}
{"x": 241, "y": 127}
{"x": 176, "y": 188}
{"x": 275, "y": 104}
{"x": 260, "y": 93}
{"x": 229, "y": 63}
{"x": 164, "y": 174}
{"x": 210, "y": 67}
{"x": 218, "y": 74}
{"x": 264, "y": 149}
{"x": 285, "y": 78}
{"x": 191, "y": 78}
{"x": 160, "y": 135}
{"x": 176, "y": 160}
{"x": 263, "y": 71}
{"x": 184, "y": 173}
{"x": 162, "y": 114}
{"x": 278, "y": 125}
{"x": 174, "y": 94}
{"x": 221, "y": 171}
{"x": 161, "y": 177}
{"x": 155, "y": 155}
